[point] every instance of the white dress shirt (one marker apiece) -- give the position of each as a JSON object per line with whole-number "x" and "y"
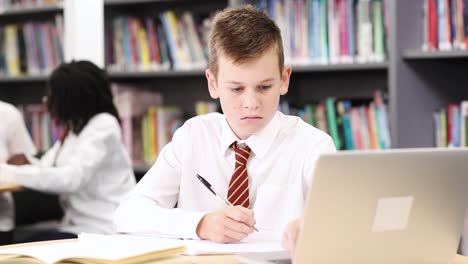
{"x": 93, "y": 173}
{"x": 280, "y": 170}
{"x": 14, "y": 139}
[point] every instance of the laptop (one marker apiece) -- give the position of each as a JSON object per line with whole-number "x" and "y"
{"x": 395, "y": 206}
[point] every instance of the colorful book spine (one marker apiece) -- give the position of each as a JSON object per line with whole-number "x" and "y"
{"x": 331, "y": 119}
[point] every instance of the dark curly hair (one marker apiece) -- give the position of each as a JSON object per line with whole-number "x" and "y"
{"x": 78, "y": 91}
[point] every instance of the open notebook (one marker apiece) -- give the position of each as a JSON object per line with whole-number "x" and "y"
{"x": 90, "y": 249}
{"x": 258, "y": 242}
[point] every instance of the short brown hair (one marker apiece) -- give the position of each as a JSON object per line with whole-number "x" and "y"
{"x": 243, "y": 33}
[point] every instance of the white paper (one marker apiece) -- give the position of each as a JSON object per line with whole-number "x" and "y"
{"x": 255, "y": 243}
{"x": 114, "y": 247}
{"x": 109, "y": 247}
{"x": 48, "y": 253}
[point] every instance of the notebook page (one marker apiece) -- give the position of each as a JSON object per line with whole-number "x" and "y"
{"x": 256, "y": 242}
{"x": 48, "y": 253}
{"x": 109, "y": 247}
{"x": 122, "y": 246}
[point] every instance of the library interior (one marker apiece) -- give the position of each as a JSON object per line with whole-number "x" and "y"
{"x": 130, "y": 85}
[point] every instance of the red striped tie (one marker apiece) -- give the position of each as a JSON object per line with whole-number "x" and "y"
{"x": 238, "y": 192}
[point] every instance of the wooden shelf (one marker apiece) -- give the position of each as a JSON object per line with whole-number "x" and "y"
{"x": 155, "y": 74}
{"x": 23, "y": 78}
{"x": 296, "y": 69}
{"x": 126, "y": 2}
{"x": 32, "y": 10}
{"x": 434, "y": 55}
{"x": 341, "y": 67}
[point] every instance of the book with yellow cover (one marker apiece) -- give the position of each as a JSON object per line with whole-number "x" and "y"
{"x": 97, "y": 249}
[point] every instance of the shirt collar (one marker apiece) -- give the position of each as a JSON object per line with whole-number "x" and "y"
{"x": 259, "y": 142}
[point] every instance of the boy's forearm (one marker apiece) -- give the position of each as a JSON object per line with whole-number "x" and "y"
{"x": 142, "y": 215}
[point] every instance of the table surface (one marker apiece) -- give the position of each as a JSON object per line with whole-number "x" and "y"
{"x": 205, "y": 259}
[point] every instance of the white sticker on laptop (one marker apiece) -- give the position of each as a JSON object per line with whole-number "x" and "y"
{"x": 392, "y": 214}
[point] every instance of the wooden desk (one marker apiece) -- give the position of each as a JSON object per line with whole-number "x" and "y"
{"x": 10, "y": 188}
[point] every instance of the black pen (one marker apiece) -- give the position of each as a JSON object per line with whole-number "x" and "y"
{"x": 208, "y": 186}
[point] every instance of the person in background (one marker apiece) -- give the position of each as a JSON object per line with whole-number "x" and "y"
{"x": 14, "y": 140}
{"x": 259, "y": 159}
{"x": 88, "y": 167}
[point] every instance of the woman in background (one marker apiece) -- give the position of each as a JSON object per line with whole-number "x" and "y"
{"x": 14, "y": 140}
{"x": 88, "y": 167}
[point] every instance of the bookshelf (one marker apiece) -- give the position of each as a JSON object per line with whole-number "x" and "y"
{"x": 434, "y": 55}
{"x": 116, "y": 75}
{"x": 119, "y": 75}
{"x": 26, "y": 87}
{"x": 24, "y": 79}
{"x": 340, "y": 67}
{"x": 32, "y": 10}
{"x": 415, "y": 82}
{"x": 309, "y": 82}
{"x": 126, "y": 2}
{"x": 420, "y": 82}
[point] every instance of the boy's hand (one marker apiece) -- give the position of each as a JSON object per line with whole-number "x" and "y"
{"x": 228, "y": 225}
{"x": 290, "y": 236}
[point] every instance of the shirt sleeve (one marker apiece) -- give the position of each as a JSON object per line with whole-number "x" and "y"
{"x": 88, "y": 157}
{"x": 19, "y": 141}
{"x": 149, "y": 208}
{"x": 325, "y": 146}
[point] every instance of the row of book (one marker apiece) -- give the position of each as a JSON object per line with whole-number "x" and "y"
{"x": 148, "y": 124}
{"x": 143, "y": 133}
{"x": 171, "y": 40}
{"x": 451, "y": 125}
{"x": 330, "y": 31}
{"x": 31, "y": 48}
{"x": 42, "y": 129}
{"x": 445, "y": 25}
{"x": 352, "y": 124}
{"x": 6, "y": 5}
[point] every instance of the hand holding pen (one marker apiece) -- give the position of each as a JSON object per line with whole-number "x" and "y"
{"x": 227, "y": 225}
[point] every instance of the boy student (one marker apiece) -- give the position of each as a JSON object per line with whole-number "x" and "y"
{"x": 259, "y": 159}
{"x": 14, "y": 140}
